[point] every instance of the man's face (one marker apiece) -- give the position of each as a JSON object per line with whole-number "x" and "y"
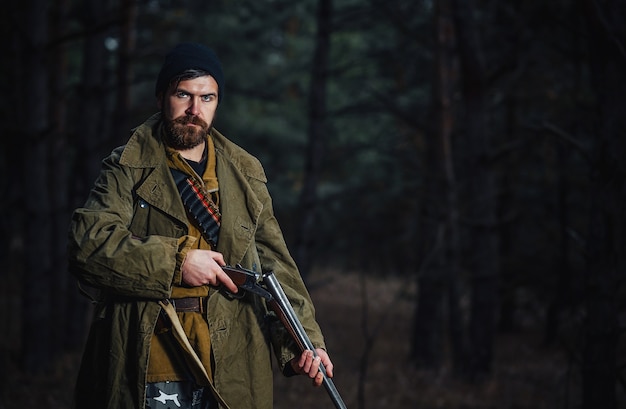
{"x": 188, "y": 110}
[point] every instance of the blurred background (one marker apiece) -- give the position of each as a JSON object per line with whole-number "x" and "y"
{"x": 449, "y": 175}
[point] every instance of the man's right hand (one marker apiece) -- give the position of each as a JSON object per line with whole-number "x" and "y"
{"x": 203, "y": 267}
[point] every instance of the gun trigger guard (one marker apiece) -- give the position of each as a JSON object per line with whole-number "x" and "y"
{"x": 229, "y": 294}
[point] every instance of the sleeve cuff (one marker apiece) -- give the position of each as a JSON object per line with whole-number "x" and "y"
{"x": 185, "y": 243}
{"x": 288, "y": 370}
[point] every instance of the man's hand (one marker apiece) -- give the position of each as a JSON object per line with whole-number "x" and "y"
{"x": 203, "y": 267}
{"x": 306, "y": 364}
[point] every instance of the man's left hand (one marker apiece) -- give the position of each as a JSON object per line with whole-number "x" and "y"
{"x": 308, "y": 364}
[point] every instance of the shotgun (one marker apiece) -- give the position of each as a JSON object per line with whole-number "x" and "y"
{"x": 266, "y": 285}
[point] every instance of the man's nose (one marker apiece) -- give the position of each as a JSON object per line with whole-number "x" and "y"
{"x": 192, "y": 109}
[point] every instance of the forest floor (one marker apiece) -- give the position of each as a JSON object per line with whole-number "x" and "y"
{"x": 525, "y": 375}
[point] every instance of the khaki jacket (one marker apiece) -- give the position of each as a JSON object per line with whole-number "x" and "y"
{"x": 125, "y": 241}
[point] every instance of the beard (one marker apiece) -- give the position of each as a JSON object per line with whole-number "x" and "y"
{"x": 181, "y": 136}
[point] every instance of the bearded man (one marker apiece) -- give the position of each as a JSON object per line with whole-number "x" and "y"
{"x": 139, "y": 243}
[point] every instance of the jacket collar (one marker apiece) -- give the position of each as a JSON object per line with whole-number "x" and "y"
{"x": 145, "y": 148}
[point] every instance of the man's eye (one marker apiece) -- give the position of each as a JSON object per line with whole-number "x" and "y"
{"x": 181, "y": 94}
{"x": 208, "y": 98}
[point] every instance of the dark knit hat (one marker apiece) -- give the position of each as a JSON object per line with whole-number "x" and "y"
{"x": 190, "y": 56}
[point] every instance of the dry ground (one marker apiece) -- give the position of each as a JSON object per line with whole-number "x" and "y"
{"x": 526, "y": 375}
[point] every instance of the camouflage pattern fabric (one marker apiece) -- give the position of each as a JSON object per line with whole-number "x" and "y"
{"x": 178, "y": 395}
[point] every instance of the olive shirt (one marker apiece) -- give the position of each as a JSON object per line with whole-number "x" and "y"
{"x": 128, "y": 239}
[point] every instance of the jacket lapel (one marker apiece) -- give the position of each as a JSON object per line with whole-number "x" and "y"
{"x": 145, "y": 151}
{"x": 159, "y": 191}
{"x": 240, "y": 210}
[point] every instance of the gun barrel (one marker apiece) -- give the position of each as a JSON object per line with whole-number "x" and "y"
{"x": 303, "y": 340}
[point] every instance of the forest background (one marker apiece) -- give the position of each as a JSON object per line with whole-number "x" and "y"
{"x": 449, "y": 174}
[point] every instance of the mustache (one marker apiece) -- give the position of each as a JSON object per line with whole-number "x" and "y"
{"x": 188, "y": 119}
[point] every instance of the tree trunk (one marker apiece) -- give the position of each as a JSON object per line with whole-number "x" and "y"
{"x": 438, "y": 280}
{"x": 605, "y": 250}
{"x": 481, "y": 203}
{"x": 37, "y": 276}
{"x": 306, "y": 240}
{"x": 562, "y": 287}
{"x": 58, "y": 178}
{"x": 128, "y": 16}
{"x": 93, "y": 112}
{"x": 91, "y": 141}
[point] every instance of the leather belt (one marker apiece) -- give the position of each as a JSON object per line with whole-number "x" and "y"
{"x": 189, "y": 304}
